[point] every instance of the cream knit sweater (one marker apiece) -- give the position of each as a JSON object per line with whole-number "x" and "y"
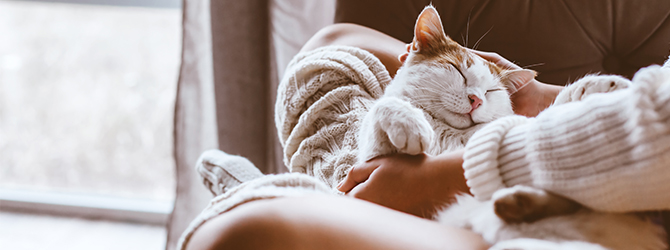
{"x": 610, "y": 152}
{"x": 320, "y": 104}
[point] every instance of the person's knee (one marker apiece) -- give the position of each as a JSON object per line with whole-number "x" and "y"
{"x": 330, "y": 35}
{"x": 256, "y": 225}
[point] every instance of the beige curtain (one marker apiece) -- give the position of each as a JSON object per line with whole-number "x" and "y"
{"x": 233, "y": 55}
{"x": 195, "y": 116}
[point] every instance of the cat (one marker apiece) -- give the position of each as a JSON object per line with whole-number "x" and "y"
{"x": 444, "y": 93}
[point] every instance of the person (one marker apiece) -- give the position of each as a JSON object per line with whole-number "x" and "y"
{"x": 631, "y": 130}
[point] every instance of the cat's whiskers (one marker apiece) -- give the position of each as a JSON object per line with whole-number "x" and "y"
{"x": 532, "y": 65}
{"x": 464, "y": 39}
{"x": 435, "y": 89}
{"x": 480, "y": 39}
{"x": 428, "y": 104}
{"x": 439, "y": 100}
{"x": 467, "y": 30}
{"x": 438, "y": 89}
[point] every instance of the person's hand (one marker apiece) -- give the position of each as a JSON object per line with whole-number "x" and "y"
{"x": 496, "y": 59}
{"x": 530, "y": 97}
{"x": 416, "y": 185}
{"x": 535, "y": 97}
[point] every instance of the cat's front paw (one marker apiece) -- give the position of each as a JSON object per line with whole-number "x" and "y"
{"x": 394, "y": 126}
{"x": 591, "y": 84}
{"x": 409, "y": 136}
{"x": 406, "y": 127}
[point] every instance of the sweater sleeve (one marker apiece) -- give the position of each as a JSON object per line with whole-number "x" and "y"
{"x": 610, "y": 152}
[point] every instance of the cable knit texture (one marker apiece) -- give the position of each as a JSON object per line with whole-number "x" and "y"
{"x": 610, "y": 152}
{"x": 320, "y": 104}
{"x": 481, "y": 153}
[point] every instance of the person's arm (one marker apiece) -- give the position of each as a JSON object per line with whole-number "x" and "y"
{"x": 608, "y": 152}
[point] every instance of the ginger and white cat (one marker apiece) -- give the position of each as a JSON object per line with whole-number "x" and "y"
{"x": 442, "y": 95}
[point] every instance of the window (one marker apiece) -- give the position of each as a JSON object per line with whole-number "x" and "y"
{"x": 87, "y": 97}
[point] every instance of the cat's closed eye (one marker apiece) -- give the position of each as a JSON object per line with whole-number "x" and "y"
{"x": 465, "y": 80}
{"x": 491, "y": 90}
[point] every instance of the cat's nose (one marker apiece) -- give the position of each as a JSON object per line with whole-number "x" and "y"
{"x": 475, "y": 102}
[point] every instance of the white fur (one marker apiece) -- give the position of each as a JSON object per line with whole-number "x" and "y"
{"x": 393, "y": 125}
{"x": 426, "y": 109}
{"x": 436, "y": 97}
{"x": 535, "y": 244}
{"x": 584, "y": 229}
{"x": 591, "y": 84}
{"x": 427, "y": 94}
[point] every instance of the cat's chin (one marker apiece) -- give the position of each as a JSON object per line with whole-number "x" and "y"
{"x": 458, "y": 121}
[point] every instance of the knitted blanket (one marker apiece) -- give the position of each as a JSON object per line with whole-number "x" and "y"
{"x": 320, "y": 104}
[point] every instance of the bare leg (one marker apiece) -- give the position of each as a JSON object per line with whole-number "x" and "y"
{"x": 383, "y": 46}
{"x": 326, "y": 222}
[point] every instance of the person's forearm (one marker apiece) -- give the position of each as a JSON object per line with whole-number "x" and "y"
{"x": 449, "y": 166}
{"x": 530, "y": 99}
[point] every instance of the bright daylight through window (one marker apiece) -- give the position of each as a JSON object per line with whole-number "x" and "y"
{"x": 87, "y": 98}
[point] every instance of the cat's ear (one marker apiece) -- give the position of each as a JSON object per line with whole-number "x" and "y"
{"x": 402, "y": 57}
{"x": 428, "y": 31}
{"x": 517, "y": 78}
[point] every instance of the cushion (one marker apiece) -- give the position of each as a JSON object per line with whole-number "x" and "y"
{"x": 562, "y": 40}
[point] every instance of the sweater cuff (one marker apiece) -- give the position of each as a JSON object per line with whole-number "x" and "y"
{"x": 494, "y": 157}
